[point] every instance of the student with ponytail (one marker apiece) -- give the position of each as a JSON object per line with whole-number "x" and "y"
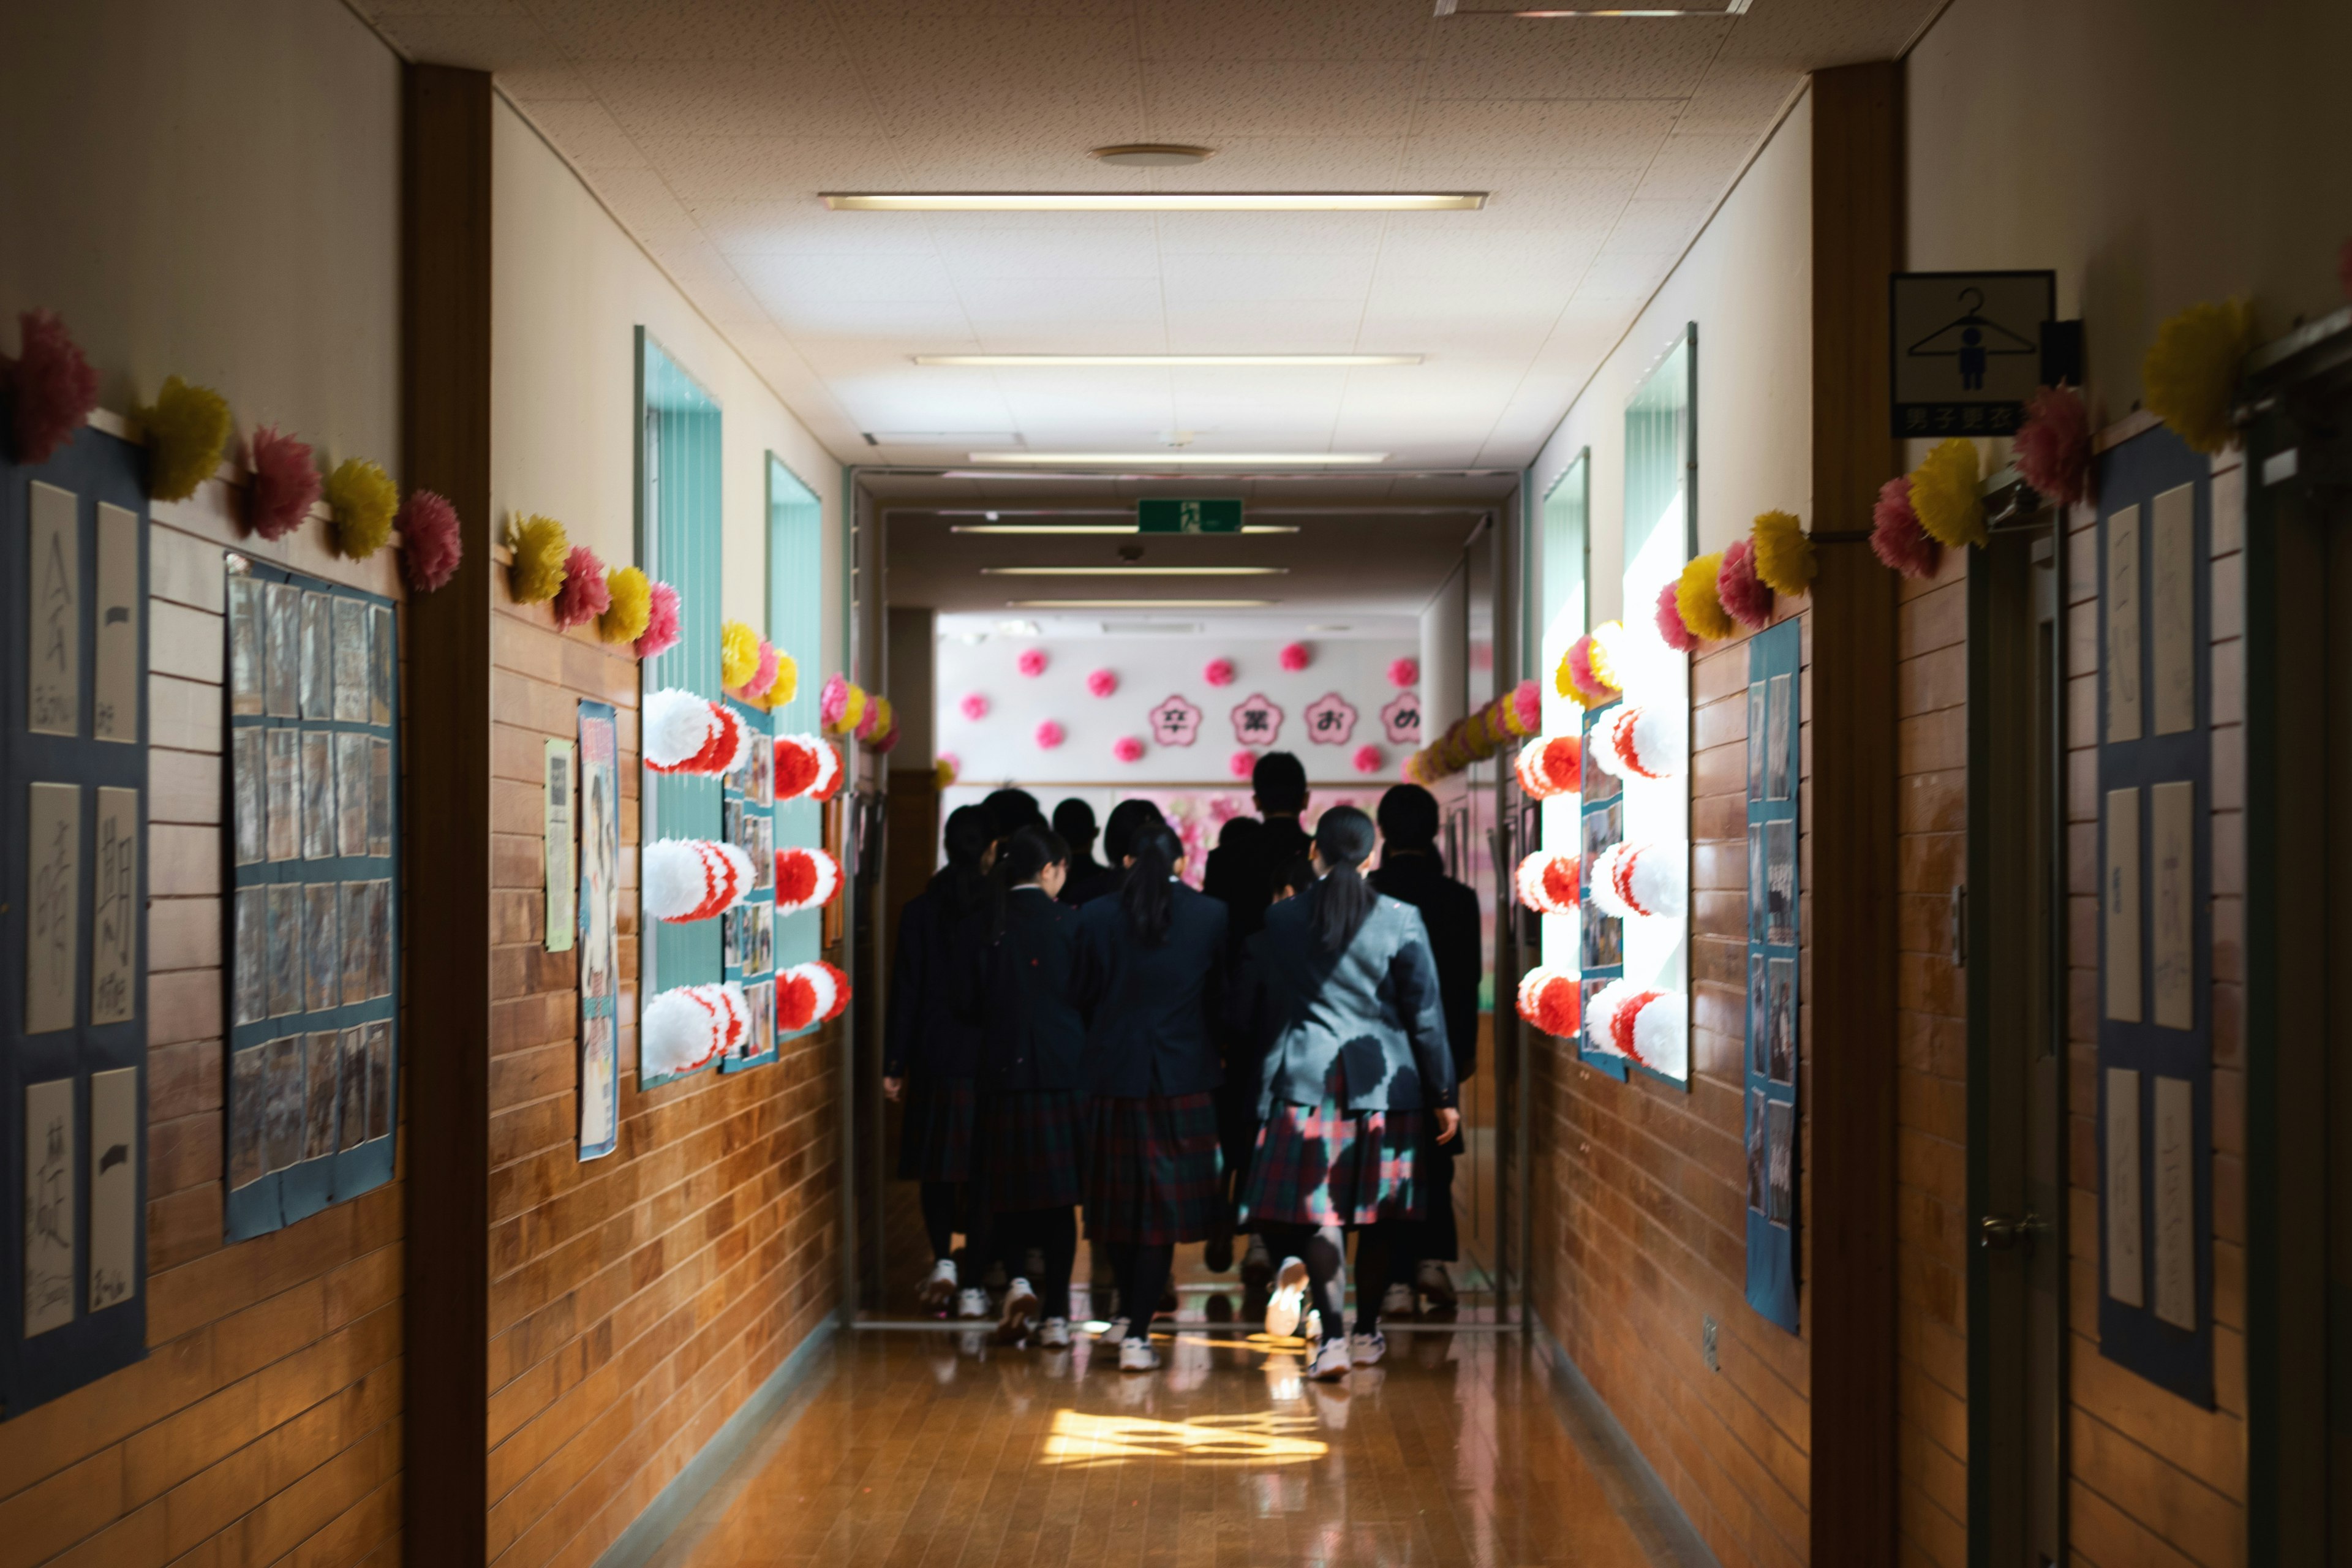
{"x": 1151, "y": 983}
{"x": 1359, "y": 1063}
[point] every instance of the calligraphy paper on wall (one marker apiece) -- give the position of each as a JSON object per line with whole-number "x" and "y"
{"x": 53, "y": 651}
{"x": 52, "y": 905}
{"x": 2127, "y": 1277}
{"x": 114, "y": 1217}
{"x": 2120, "y": 895}
{"x": 51, "y": 1215}
{"x": 2174, "y": 1189}
{"x": 2123, "y": 612}
{"x": 2171, "y": 560}
{"x": 114, "y": 688}
{"x": 114, "y": 914}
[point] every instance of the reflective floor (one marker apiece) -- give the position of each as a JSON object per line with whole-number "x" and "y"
{"x": 935, "y": 1448}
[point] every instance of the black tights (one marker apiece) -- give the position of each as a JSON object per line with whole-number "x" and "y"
{"x": 1142, "y": 1272}
{"x": 1055, "y": 1233}
{"x": 1324, "y": 1250}
{"x": 942, "y": 1218}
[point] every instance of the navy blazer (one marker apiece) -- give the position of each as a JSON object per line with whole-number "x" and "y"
{"x": 1449, "y": 912}
{"x": 924, "y": 1035}
{"x": 1020, "y": 992}
{"x": 1153, "y": 1013}
{"x": 1372, "y": 1009}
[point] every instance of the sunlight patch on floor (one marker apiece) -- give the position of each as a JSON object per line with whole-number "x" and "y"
{"x": 1263, "y": 1438}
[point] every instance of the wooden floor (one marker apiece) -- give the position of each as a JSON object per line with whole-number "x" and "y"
{"x": 933, "y": 1448}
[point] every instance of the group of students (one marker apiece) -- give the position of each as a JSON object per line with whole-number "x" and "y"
{"x": 1278, "y": 1054}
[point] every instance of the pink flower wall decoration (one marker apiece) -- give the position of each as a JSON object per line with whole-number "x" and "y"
{"x": 1102, "y": 682}
{"x": 1218, "y": 672}
{"x": 1367, "y": 759}
{"x": 1175, "y": 723}
{"x": 1256, "y": 720}
{"x": 1401, "y": 720}
{"x": 1330, "y": 719}
{"x": 1295, "y": 657}
{"x": 974, "y": 707}
{"x": 1127, "y": 749}
{"x": 1405, "y": 672}
{"x": 1242, "y": 764}
{"x": 1032, "y": 662}
{"x": 1050, "y": 734}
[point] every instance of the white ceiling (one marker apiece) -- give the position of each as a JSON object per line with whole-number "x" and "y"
{"x": 709, "y": 126}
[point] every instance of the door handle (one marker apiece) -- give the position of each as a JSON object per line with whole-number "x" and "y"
{"x": 2002, "y": 1232}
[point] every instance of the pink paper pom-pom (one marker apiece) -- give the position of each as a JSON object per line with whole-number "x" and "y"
{"x": 2053, "y": 445}
{"x": 1127, "y": 749}
{"x": 1404, "y": 672}
{"x": 428, "y": 537}
{"x": 1293, "y": 656}
{"x": 1896, "y": 537}
{"x": 1032, "y": 662}
{"x": 973, "y": 706}
{"x": 51, "y": 385}
{"x": 1526, "y": 707}
{"x": 763, "y": 674}
{"x": 1242, "y": 764}
{"x": 1367, "y": 759}
{"x": 1745, "y": 597}
{"x": 1050, "y": 734}
{"x": 285, "y": 483}
{"x": 1102, "y": 682}
{"x": 584, "y": 596}
{"x": 1670, "y": 622}
{"x": 1218, "y": 672}
{"x": 661, "y": 623}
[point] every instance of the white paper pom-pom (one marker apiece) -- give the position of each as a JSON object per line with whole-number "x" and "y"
{"x": 1639, "y": 742}
{"x": 820, "y": 981}
{"x": 1642, "y": 879}
{"x": 734, "y": 741}
{"x": 1547, "y": 881}
{"x": 674, "y": 878}
{"x": 1662, "y": 1034}
{"x": 679, "y": 1030}
{"x": 1600, "y": 1014}
{"x": 806, "y": 878}
{"x": 678, "y": 725}
{"x": 731, "y": 881}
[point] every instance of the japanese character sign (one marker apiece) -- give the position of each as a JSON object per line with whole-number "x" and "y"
{"x": 1402, "y": 718}
{"x": 1330, "y": 720}
{"x": 1257, "y": 722}
{"x": 1175, "y": 723}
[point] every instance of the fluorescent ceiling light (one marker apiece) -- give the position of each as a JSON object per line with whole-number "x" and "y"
{"x": 1139, "y": 604}
{"x": 1192, "y": 460}
{"x": 1134, "y": 571}
{"x": 1127, "y": 528}
{"x": 1154, "y": 201}
{"x": 1340, "y": 362}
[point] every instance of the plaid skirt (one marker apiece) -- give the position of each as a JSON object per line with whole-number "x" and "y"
{"x": 1151, "y": 1170}
{"x": 1324, "y": 1165}
{"x": 1031, "y": 1147}
{"x": 935, "y": 1140}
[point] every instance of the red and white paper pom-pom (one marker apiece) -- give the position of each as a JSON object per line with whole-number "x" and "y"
{"x": 1637, "y": 742}
{"x": 810, "y": 994}
{"x": 1628, "y": 1018}
{"x": 692, "y": 878}
{"x": 684, "y": 734}
{"x": 840, "y": 1000}
{"x": 807, "y": 767}
{"x": 1547, "y": 881}
{"x": 1548, "y": 999}
{"x": 1550, "y": 765}
{"x": 805, "y": 879}
{"x": 687, "y": 1028}
{"x": 1642, "y": 879}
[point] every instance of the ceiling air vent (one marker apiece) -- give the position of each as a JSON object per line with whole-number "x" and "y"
{"x": 1151, "y": 629}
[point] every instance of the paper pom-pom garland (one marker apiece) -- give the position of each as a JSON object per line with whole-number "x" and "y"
{"x": 1944, "y": 493}
{"x": 1404, "y": 672}
{"x": 1032, "y": 662}
{"x": 1521, "y": 709}
{"x": 186, "y": 430}
{"x": 541, "y": 551}
{"x": 806, "y": 766}
{"x": 362, "y": 498}
{"x": 840, "y": 705}
{"x": 1895, "y": 536}
{"x": 2054, "y": 445}
{"x": 1641, "y": 879}
{"x": 876, "y": 722}
{"x": 285, "y": 483}
{"x": 1242, "y": 764}
{"x": 2190, "y": 374}
{"x": 1218, "y": 672}
{"x": 1547, "y": 881}
{"x": 1635, "y": 1021}
{"x": 684, "y": 734}
{"x": 1671, "y": 630}
{"x": 763, "y": 674}
{"x": 805, "y": 879}
{"x": 1294, "y": 657}
{"x": 1745, "y": 597}
{"x": 51, "y": 387}
{"x": 1698, "y": 602}
{"x": 1785, "y": 562}
{"x": 584, "y": 594}
{"x": 1049, "y": 734}
{"x": 1101, "y": 683}
{"x": 1127, "y": 749}
{"x": 628, "y": 605}
{"x": 1549, "y": 767}
{"x": 661, "y": 632}
{"x": 1548, "y": 999}
{"x": 1640, "y": 742}
{"x": 738, "y": 654}
{"x": 686, "y": 879}
{"x": 686, "y": 1029}
{"x": 429, "y": 539}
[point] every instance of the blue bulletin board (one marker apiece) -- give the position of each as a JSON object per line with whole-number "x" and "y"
{"x": 1599, "y": 938}
{"x": 1774, "y": 972}
{"x": 748, "y": 936}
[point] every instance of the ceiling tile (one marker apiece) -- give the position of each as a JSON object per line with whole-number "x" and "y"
{"x": 1489, "y": 57}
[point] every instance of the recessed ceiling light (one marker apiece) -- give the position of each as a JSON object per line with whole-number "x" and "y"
{"x": 1134, "y": 571}
{"x": 1153, "y": 154}
{"x": 1153, "y": 201}
{"x": 1192, "y": 459}
{"x": 1320, "y": 361}
{"x": 1138, "y": 604}
{"x": 1126, "y": 528}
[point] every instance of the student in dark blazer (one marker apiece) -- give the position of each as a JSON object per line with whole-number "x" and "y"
{"x": 1074, "y": 823}
{"x": 1017, "y": 989}
{"x": 929, "y": 1054}
{"x": 1117, "y": 828}
{"x": 1151, "y": 965}
{"x": 1412, "y": 873}
{"x": 1358, "y": 1064}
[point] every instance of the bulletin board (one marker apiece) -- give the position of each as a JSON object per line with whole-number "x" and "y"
{"x": 598, "y": 905}
{"x": 73, "y": 920}
{"x": 1774, "y": 973}
{"x": 747, "y": 943}
{"x": 2154, "y": 1003}
{"x": 310, "y": 947}
{"x": 1599, "y": 938}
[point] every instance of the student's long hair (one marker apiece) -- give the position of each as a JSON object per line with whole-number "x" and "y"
{"x": 1341, "y": 900}
{"x": 969, "y": 832}
{"x": 1148, "y": 899}
{"x": 1027, "y": 854}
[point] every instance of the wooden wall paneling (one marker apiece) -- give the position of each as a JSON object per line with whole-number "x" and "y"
{"x": 1857, "y": 217}
{"x": 445, "y": 430}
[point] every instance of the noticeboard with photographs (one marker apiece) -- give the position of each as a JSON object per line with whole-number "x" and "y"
{"x": 1601, "y": 938}
{"x": 748, "y": 936}
{"x": 1770, "y": 1052}
{"x": 311, "y": 965}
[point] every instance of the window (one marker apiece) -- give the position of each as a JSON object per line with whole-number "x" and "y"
{"x": 1563, "y": 612}
{"x": 795, "y": 550}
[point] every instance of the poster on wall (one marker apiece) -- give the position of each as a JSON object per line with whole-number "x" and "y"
{"x": 560, "y": 768}
{"x": 1770, "y": 1058}
{"x": 747, "y": 944}
{"x": 598, "y": 931}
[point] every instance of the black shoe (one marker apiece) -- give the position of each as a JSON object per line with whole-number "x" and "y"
{"x": 1258, "y": 1267}
{"x": 1217, "y": 1252}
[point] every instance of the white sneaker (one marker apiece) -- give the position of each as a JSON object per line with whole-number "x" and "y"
{"x": 1137, "y": 1355}
{"x": 971, "y": 1302}
{"x": 1053, "y": 1334}
{"x": 1020, "y": 1305}
{"x": 1331, "y": 1360}
{"x": 1311, "y": 1330}
{"x": 1364, "y": 1350}
{"x": 1397, "y": 1303}
{"x": 938, "y": 1286}
{"x": 1289, "y": 1303}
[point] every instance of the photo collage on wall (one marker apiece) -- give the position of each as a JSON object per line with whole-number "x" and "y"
{"x": 599, "y": 815}
{"x": 748, "y": 934}
{"x": 1601, "y": 938}
{"x": 1772, "y": 1040}
{"x": 312, "y": 941}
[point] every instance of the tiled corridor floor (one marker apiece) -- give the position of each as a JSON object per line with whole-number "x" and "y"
{"x": 934, "y": 1448}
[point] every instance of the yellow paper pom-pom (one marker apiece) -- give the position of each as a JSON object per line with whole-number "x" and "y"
{"x": 631, "y": 606}
{"x": 739, "y": 653}
{"x": 187, "y": 431}
{"x": 853, "y": 711}
{"x": 541, "y": 550}
{"x": 364, "y": 499}
{"x": 1784, "y": 553}
{"x": 1607, "y": 655}
{"x": 1696, "y": 601}
{"x": 943, "y": 772}
{"x": 2192, "y": 371}
{"x": 788, "y": 683}
{"x": 1944, "y": 494}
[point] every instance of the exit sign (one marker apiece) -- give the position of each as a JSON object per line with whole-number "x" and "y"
{"x": 1161, "y": 514}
